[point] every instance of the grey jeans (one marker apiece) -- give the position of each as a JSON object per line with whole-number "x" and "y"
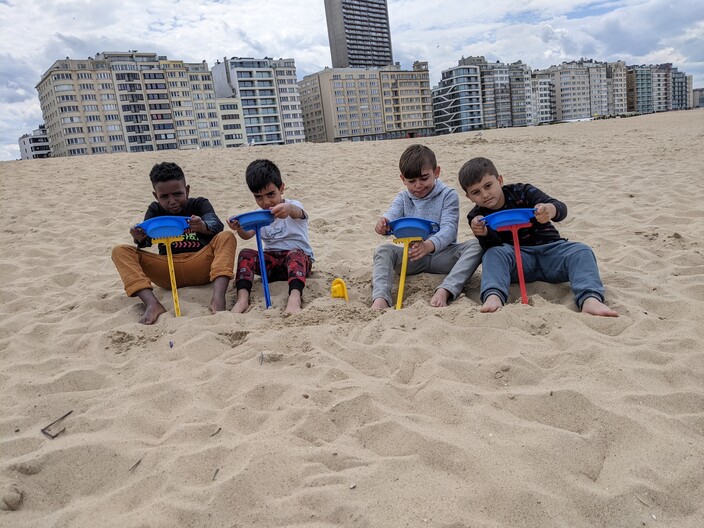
{"x": 459, "y": 261}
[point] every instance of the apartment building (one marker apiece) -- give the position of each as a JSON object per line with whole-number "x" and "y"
{"x": 359, "y": 34}
{"x": 355, "y": 104}
{"x": 662, "y": 87}
{"x": 681, "y": 89}
{"x": 128, "y": 102}
{"x": 639, "y": 83}
{"x": 543, "y": 99}
{"x": 267, "y": 91}
{"x": 457, "y": 100}
{"x": 521, "y": 94}
{"x": 616, "y": 88}
{"x": 506, "y": 92}
{"x": 581, "y": 89}
{"x": 35, "y": 145}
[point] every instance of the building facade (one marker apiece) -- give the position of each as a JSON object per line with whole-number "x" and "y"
{"x": 35, "y": 145}
{"x": 581, "y": 89}
{"x": 354, "y": 104}
{"x": 639, "y": 81}
{"x": 616, "y": 88}
{"x": 457, "y": 100}
{"x": 267, "y": 91}
{"x": 543, "y": 99}
{"x": 359, "y": 34}
{"x": 128, "y": 102}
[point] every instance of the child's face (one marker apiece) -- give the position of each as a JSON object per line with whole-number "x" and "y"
{"x": 487, "y": 193}
{"x": 421, "y": 187}
{"x": 172, "y": 195}
{"x": 269, "y": 196}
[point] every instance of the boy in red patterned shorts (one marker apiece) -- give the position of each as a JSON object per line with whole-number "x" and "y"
{"x": 287, "y": 252}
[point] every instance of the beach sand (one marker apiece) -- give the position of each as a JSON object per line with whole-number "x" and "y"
{"x": 536, "y": 415}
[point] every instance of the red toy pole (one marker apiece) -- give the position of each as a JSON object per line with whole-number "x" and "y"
{"x": 519, "y": 263}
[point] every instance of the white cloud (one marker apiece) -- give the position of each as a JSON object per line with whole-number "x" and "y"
{"x": 539, "y": 32}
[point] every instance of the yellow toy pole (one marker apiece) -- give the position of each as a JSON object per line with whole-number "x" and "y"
{"x": 167, "y": 241}
{"x": 404, "y": 264}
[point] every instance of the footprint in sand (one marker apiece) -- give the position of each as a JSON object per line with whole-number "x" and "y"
{"x": 10, "y": 497}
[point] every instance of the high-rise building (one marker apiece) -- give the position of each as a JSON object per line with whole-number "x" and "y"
{"x": 268, "y": 92}
{"x": 359, "y": 33}
{"x": 506, "y": 92}
{"x": 35, "y": 145}
{"x": 616, "y": 88}
{"x": 639, "y": 82}
{"x": 543, "y": 98}
{"x": 457, "y": 100}
{"x": 354, "y": 104}
{"x": 128, "y": 102}
{"x": 581, "y": 89}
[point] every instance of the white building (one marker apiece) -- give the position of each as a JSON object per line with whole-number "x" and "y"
{"x": 267, "y": 91}
{"x": 35, "y": 145}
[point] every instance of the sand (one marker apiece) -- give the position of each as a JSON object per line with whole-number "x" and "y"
{"x": 536, "y": 415}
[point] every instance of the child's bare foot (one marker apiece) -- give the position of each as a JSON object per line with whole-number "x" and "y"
{"x": 439, "y": 299}
{"x": 242, "y": 302}
{"x": 491, "y": 304}
{"x": 218, "y": 302}
{"x": 594, "y": 306}
{"x": 152, "y": 313}
{"x": 380, "y": 304}
{"x": 152, "y": 307}
{"x": 294, "y": 302}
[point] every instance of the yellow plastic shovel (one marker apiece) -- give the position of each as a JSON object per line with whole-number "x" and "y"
{"x": 406, "y": 241}
{"x": 166, "y": 230}
{"x": 167, "y": 241}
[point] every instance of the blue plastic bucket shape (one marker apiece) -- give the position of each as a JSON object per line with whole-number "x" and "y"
{"x": 509, "y": 217}
{"x": 254, "y": 219}
{"x": 410, "y": 226}
{"x": 165, "y": 226}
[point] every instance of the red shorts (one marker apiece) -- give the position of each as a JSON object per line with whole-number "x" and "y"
{"x": 291, "y": 265}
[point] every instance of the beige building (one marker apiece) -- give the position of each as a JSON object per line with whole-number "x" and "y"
{"x": 128, "y": 102}
{"x": 355, "y": 104}
{"x": 581, "y": 89}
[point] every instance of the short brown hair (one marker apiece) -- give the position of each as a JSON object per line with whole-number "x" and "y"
{"x": 474, "y": 170}
{"x": 414, "y": 159}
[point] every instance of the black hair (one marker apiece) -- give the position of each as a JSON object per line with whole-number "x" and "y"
{"x": 261, "y": 173}
{"x": 166, "y": 171}
{"x": 414, "y": 159}
{"x": 474, "y": 170}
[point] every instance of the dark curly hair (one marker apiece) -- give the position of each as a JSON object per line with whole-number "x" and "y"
{"x": 166, "y": 171}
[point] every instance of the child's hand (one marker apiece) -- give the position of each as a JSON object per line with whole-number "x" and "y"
{"x": 138, "y": 233}
{"x": 234, "y": 223}
{"x": 545, "y": 212}
{"x": 235, "y": 226}
{"x": 382, "y": 226}
{"x": 282, "y": 210}
{"x": 197, "y": 225}
{"x": 479, "y": 226}
{"x": 417, "y": 250}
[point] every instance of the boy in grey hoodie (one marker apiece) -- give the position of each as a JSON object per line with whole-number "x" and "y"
{"x": 425, "y": 197}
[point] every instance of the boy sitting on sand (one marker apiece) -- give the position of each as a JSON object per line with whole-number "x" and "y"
{"x": 206, "y": 254}
{"x": 545, "y": 255}
{"x": 425, "y": 197}
{"x": 287, "y": 252}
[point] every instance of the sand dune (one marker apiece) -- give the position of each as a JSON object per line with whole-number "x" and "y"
{"x": 533, "y": 416}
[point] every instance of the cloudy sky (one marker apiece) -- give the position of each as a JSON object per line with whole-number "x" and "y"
{"x": 35, "y": 33}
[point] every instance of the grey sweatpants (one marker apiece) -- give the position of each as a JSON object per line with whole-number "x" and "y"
{"x": 459, "y": 261}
